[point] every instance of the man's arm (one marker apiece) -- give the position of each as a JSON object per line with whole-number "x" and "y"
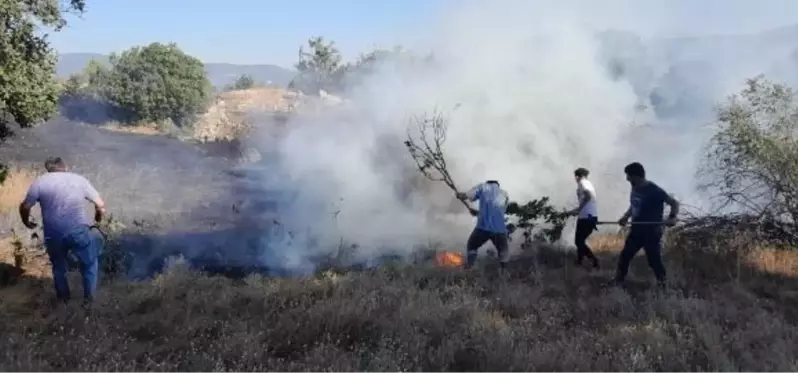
{"x": 31, "y": 198}
{"x": 99, "y": 209}
{"x": 586, "y": 197}
{"x": 674, "y": 204}
{"x": 471, "y": 195}
{"x": 93, "y": 196}
{"x": 24, "y": 214}
{"x": 626, "y": 216}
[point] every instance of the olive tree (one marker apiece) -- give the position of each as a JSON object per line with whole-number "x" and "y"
{"x": 157, "y": 82}
{"x": 28, "y": 88}
{"x": 751, "y": 162}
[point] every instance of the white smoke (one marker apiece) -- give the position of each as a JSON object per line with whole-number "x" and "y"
{"x": 534, "y": 100}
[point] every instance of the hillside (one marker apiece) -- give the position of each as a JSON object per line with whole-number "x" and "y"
{"x": 220, "y": 74}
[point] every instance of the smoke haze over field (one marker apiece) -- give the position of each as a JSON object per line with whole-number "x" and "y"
{"x": 533, "y": 90}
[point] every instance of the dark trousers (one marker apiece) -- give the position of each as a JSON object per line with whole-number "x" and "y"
{"x": 479, "y": 237}
{"x": 650, "y": 240}
{"x": 584, "y": 228}
{"x": 81, "y": 243}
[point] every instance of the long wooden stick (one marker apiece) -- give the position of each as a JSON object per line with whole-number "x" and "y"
{"x": 633, "y": 223}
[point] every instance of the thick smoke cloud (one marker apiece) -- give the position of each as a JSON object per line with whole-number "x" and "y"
{"x": 533, "y": 90}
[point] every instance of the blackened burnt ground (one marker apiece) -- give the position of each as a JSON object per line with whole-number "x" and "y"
{"x": 194, "y": 199}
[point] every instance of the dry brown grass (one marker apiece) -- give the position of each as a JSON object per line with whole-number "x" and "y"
{"x": 763, "y": 259}
{"x": 544, "y": 314}
{"x": 227, "y": 118}
{"x": 142, "y": 129}
{"x": 774, "y": 261}
{"x": 606, "y": 243}
{"x": 13, "y": 190}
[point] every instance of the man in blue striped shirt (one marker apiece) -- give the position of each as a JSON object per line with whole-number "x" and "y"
{"x": 490, "y": 220}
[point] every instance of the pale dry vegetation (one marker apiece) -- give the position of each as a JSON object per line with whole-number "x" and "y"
{"x": 545, "y": 314}
{"x": 13, "y": 190}
{"x": 233, "y": 114}
{"x": 142, "y": 129}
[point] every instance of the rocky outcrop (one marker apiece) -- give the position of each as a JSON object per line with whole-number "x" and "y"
{"x": 235, "y": 113}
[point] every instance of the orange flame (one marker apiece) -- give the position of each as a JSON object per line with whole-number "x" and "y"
{"x": 449, "y": 259}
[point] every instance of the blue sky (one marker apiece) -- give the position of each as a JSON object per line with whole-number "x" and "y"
{"x": 270, "y": 31}
{"x": 243, "y": 31}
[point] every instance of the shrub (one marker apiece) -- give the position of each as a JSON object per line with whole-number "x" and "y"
{"x": 157, "y": 82}
{"x": 243, "y": 82}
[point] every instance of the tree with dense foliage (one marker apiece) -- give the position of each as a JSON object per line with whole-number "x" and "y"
{"x": 28, "y": 88}
{"x": 86, "y": 82}
{"x": 82, "y": 95}
{"x": 319, "y": 68}
{"x": 751, "y": 164}
{"x": 245, "y": 81}
{"x": 155, "y": 83}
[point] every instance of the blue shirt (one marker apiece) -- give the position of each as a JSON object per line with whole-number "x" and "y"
{"x": 492, "y": 206}
{"x": 647, "y": 203}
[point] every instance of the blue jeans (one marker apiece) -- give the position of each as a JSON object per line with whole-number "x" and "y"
{"x": 86, "y": 249}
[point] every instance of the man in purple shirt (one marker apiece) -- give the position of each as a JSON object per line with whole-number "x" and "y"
{"x": 62, "y": 196}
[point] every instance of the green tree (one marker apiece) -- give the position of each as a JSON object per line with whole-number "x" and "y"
{"x": 751, "y": 163}
{"x": 28, "y": 88}
{"x": 320, "y": 67}
{"x": 244, "y": 81}
{"x": 82, "y": 97}
{"x": 88, "y": 81}
{"x": 156, "y": 82}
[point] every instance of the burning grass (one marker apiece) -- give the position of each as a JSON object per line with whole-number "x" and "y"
{"x": 544, "y": 314}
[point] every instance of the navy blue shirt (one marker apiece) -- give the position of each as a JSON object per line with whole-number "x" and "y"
{"x": 648, "y": 203}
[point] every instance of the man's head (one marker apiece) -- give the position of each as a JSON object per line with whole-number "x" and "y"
{"x": 581, "y": 173}
{"x": 55, "y": 164}
{"x": 635, "y": 173}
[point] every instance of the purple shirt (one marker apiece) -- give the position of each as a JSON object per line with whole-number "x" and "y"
{"x": 62, "y": 196}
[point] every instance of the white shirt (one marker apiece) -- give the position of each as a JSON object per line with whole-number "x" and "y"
{"x": 591, "y": 208}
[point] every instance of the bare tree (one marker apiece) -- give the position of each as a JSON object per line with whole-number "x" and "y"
{"x": 426, "y": 148}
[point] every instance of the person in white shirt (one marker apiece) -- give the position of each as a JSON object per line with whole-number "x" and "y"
{"x": 490, "y": 220}
{"x": 587, "y": 216}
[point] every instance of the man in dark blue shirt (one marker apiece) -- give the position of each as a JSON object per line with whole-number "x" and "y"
{"x": 647, "y": 202}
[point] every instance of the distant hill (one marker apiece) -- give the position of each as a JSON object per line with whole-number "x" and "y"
{"x": 220, "y": 74}
{"x": 679, "y": 77}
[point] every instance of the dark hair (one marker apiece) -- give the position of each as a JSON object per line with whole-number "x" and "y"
{"x": 581, "y": 172}
{"x": 492, "y": 182}
{"x": 54, "y": 164}
{"x": 635, "y": 169}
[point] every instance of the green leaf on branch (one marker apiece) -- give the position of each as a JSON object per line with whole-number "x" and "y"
{"x": 534, "y": 214}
